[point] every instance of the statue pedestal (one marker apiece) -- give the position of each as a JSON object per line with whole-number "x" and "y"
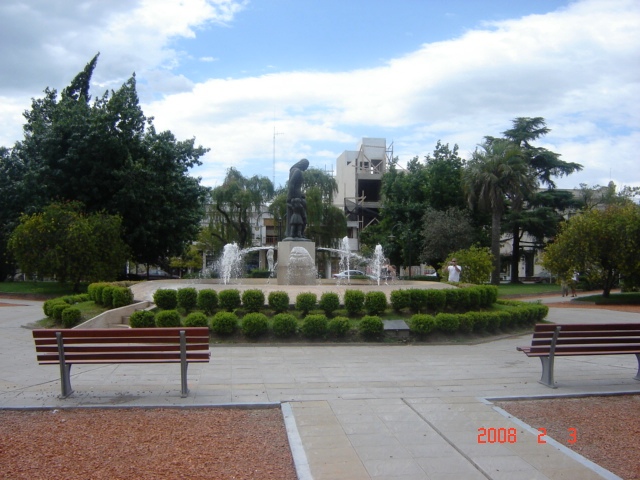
{"x": 297, "y": 269}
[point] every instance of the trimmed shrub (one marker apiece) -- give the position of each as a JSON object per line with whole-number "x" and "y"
{"x": 422, "y": 324}
{"x": 338, "y": 326}
{"x": 71, "y": 317}
{"x": 448, "y": 322}
{"x": 491, "y": 294}
{"x": 142, "y": 319}
{"x": 353, "y": 301}
{"x": 279, "y": 301}
{"x": 371, "y": 327}
{"x": 466, "y": 322}
{"x": 121, "y": 296}
{"x": 57, "y": 310}
{"x": 166, "y": 299}
{"x": 207, "y": 301}
{"x": 284, "y": 325}
{"x": 400, "y": 299}
{"x": 314, "y": 326}
{"x": 329, "y": 302}
{"x": 95, "y": 291}
{"x": 107, "y": 296}
{"x": 254, "y": 325}
{"x": 49, "y": 304}
{"x": 168, "y": 318}
{"x": 436, "y": 300}
{"x": 229, "y": 300}
{"x": 187, "y": 298}
{"x": 506, "y": 320}
{"x": 418, "y": 300}
{"x": 375, "y": 303}
{"x": 196, "y": 319}
{"x": 224, "y": 323}
{"x": 305, "y": 302}
{"x": 253, "y": 300}
{"x": 493, "y": 321}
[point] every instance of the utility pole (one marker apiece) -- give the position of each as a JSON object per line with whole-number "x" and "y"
{"x": 274, "y": 154}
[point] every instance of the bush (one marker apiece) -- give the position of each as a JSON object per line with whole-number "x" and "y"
{"x": 314, "y": 326}
{"x": 338, "y": 326}
{"x": 187, "y": 298}
{"x": 107, "y": 296}
{"x": 253, "y": 300}
{"x": 448, "y": 322}
{"x": 142, "y": 319}
{"x": 71, "y": 317}
{"x": 436, "y": 300}
{"x": 254, "y": 325}
{"x": 166, "y": 299}
{"x": 168, "y": 318}
{"x": 229, "y": 300}
{"x": 422, "y": 324}
{"x": 480, "y": 320}
{"x": 305, "y": 302}
{"x": 49, "y": 304}
{"x": 329, "y": 302}
{"x": 57, "y": 310}
{"x": 121, "y": 296}
{"x": 196, "y": 319}
{"x": 476, "y": 263}
{"x": 284, "y": 325}
{"x": 224, "y": 323}
{"x": 400, "y": 299}
{"x": 279, "y": 301}
{"x": 371, "y": 327}
{"x": 475, "y": 297}
{"x": 466, "y": 322}
{"x": 95, "y": 291}
{"x": 375, "y": 303}
{"x": 493, "y": 321}
{"x": 207, "y": 301}
{"x": 418, "y": 300}
{"x": 353, "y": 301}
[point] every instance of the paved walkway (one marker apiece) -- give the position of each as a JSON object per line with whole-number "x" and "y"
{"x": 353, "y": 412}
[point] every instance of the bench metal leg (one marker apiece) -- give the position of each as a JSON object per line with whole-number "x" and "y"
{"x": 65, "y": 369}
{"x": 547, "y": 372}
{"x": 637, "y": 377}
{"x": 183, "y": 364}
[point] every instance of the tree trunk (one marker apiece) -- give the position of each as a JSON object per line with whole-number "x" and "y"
{"x": 496, "y": 216}
{"x": 515, "y": 255}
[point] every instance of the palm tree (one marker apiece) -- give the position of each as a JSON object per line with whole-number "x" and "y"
{"x": 496, "y": 175}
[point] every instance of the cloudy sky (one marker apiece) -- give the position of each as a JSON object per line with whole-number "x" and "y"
{"x": 324, "y": 74}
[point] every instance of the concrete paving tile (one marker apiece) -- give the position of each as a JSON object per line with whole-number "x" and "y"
{"x": 392, "y": 466}
{"x": 367, "y": 439}
{"x": 373, "y": 452}
{"x": 339, "y": 471}
{"x": 450, "y": 464}
{"x": 366, "y": 428}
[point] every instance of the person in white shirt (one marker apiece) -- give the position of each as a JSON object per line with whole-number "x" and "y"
{"x": 454, "y": 271}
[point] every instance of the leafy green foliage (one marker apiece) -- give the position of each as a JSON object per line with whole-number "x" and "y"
{"x": 419, "y": 300}
{"x": 168, "y": 318}
{"x": 253, "y": 300}
{"x": 196, "y": 319}
{"x": 207, "y": 300}
{"x": 224, "y": 323}
{"x": 305, "y": 302}
{"x": 375, "y": 303}
{"x": 329, "y": 302}
{"x": 166, "y": 298}
{"x": 448, "y": 322}
{"x": 71, "y": 317}
{"x": 422, "y": 324}
{"x": 314, "y": 326}
{"x": 279, "y": 301}
{"x": 353, "y": 301}
{"x": 187, "y": 298}
{"x": 142, "y": 319}
{"x": 47, "y": 307}
{"x": 338, "y": 327}
{"x": 254, "y": 325}
{"x": 284, "y": 325}
{"x": 107, "y": 296}
{"x": 371, "y": 327}
{"x": 121, "y": 296}
{"x": 400, "y": 299}
{"x": 229, "y": 299}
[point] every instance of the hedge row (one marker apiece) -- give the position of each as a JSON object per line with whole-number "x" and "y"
{"x": 356, "y": 302}
{"x": 62, "y": 310}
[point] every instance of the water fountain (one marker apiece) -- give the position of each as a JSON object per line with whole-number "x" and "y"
{"x": 229, "y": 265}
{"x": 377, "y": 262}
{"x": 302, "y": 269}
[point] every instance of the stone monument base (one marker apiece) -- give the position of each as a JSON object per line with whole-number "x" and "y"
{"x": 288, "y": 272}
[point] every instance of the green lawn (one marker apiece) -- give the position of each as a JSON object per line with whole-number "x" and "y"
{"x": 508, "y": 289}
{"x": 53, "y": 289}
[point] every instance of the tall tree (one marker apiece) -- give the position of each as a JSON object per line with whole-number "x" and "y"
{"x": 496, "y": 174}
{"x": 445, "y": 231}
{"x": 544, "y": 165}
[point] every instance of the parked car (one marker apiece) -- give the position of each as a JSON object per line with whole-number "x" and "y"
{"x": 351, "y": 274}
{"x": 544, "y": 277}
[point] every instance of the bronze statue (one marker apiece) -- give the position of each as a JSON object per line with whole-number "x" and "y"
{"x": 296, "y": 202}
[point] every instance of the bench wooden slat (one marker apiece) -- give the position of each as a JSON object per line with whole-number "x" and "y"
{"x": 125, "y": 332}
{"x": 121, "y": 357}
{"x": 122, "y": 348}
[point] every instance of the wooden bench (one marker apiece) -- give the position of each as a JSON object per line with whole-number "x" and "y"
{"x": 67, "y": 347}
{"x": 552, "y": 340}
